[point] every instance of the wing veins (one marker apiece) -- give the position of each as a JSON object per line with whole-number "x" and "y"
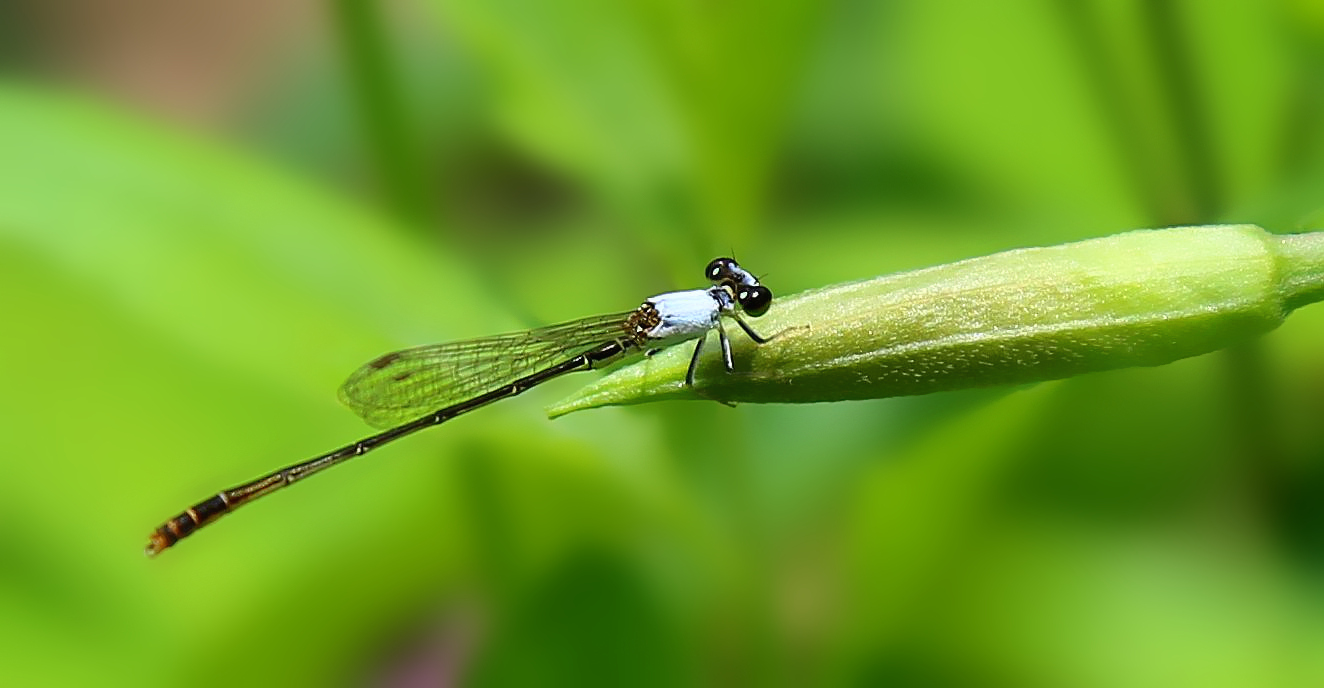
{"x": 405, "y": 384}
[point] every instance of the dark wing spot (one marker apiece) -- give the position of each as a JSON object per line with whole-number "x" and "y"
{"x": 401, "y": 377}
{"x": 386, "y": 360}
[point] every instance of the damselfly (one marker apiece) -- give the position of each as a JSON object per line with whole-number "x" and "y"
{"x": 412, "y": 389}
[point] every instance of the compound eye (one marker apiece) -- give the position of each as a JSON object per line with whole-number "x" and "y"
{"x": 719, "y": 269}
{"x": 754, "y": 300}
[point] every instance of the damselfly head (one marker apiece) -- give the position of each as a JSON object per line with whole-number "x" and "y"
{"x": 727, "y": 272}
{"x": 722, "y": 270}
{"x": 754, "y": 300}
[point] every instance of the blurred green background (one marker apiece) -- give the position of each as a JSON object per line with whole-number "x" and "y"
{"x": 211, "y": 213}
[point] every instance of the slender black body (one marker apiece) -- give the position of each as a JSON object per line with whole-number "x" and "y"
{"x": 209, "y": 510}
{"x": 461, "y": 376}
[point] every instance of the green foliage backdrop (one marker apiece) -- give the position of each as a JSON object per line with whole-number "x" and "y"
{"x": 179, "y": 307}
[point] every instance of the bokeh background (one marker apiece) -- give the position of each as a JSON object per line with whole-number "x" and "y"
{"x": 212, "y": 212}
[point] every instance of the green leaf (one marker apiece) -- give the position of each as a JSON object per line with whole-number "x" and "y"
{"x": 1141, "y": 298}
{"x": 669, "y": 111}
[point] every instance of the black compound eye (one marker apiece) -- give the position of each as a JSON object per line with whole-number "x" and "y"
{"x": 754, "y": 300}
{"x": 719, "y": 269}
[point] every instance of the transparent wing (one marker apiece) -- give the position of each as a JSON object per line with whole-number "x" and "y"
{"x": 403, "y": 385}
